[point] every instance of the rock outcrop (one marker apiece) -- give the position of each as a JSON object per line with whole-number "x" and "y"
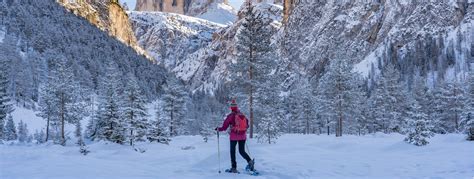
{"x": 187, "y": 7}
{"x": 108, "y": 16}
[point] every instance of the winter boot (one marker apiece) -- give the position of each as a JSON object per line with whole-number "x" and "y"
{"x": 232, "y": 170}
{"x": 250, "y": 166}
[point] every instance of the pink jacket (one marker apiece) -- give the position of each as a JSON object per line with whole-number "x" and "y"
{"x": 230, "y": 120}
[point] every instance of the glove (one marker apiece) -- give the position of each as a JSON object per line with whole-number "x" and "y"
{"x": 216, "y": 129}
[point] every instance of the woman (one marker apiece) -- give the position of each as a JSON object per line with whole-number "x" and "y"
{"x": 239, "y": 125}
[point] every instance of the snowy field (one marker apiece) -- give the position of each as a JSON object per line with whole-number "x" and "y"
{"x": 294, "y": 156}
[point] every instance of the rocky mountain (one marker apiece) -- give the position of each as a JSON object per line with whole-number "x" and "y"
{"x": 108, "y": 16}
{"x": 218, "y": 11}
{"x": 433, "y": 38}
{"x": 170, "y": 38}
{"x": 206, "y": 69}
{"x": 411, "y": 35}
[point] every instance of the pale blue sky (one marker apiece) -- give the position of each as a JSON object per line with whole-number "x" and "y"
{"x": 234, "y": 3}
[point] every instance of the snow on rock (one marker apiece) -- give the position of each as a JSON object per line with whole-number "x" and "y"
{"x": 206, "y": 69}
{"x": 370, "y": 156}
{"x": 409, "y": 33}
{"x": 2, "y": 33}
{"x": 169, "y": 38}
{"x": 220, "y": 13}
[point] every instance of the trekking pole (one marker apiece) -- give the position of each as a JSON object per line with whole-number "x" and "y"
{"x": 218, "y": 151}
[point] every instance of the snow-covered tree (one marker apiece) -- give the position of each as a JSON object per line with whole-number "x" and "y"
{"x": 10, "y": 130}
{"x": 174, "y": 106}
{"x": 467, "y": 116}
{"x": 5, "y": 104}
{"x": 22, "y": 132}
{"x": 135, "y": 112}
{"x": 108, "y": 124}
{"x": 448, "y": 105}
{"x": 418, "y": 128}
{"x": 206, "y": 131}
{"x": 252, "y": 46}
{"x": 388, "y": 101}
{"x": 47, "y": 104}
{"x": 157, "y": 132}
{"x": 269, "y": 131}
{"x": 337, "y": 87}
{"x": 39, "y": 136}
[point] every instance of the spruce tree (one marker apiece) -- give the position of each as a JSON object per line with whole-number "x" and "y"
{"x": 467, "y": 116}
{"x": 419, "y": 128}
{"x": 22, "y": 132}
{"x": 206, "y": 131}
{"x": 269, "y": 131}
{"x": 339, "y": 92}
{"x": 108, "y": 122}
{"x": 174, "y": 106}
{"x": 157, "y": 132}
{"x": 253, "y": 39}
{"x": 10, "y": 130}
{"x": 5, "y": 105}
{"x": 135, "y": 112}
{"x": 39, "y": 136}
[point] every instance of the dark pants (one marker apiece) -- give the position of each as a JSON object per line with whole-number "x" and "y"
{"x": 241, "y": 151}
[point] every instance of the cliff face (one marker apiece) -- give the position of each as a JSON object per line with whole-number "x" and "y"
{"x": 432, "y": 37}
{"x": 187, "y": 7}
{"x": 108, "y": 16}
{"x": 170, "y": 38}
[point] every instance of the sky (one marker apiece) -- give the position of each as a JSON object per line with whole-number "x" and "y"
{"x": 234, "y": 3}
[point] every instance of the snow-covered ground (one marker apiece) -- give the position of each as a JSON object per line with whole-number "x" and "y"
{"x": 294, "y": 156}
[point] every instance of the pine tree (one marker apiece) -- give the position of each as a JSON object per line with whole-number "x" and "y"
{"x": 419, "y": 129}
{"x": 157, "y": 131}
{"x": 108, "y": 124}
{"x": 22, "y": 132}
{"x": 5, "y": 106}
{"x": 467, "y": 116}
{"x": 78, "y": 133}
{"x": 135, "y": 111}
{"x": 174, "y": 106}
{"x": 337, "y": 87}
{"x": 388, "y": 102}
{"x": 269, "y": 131}
{"x": 39, "y": 136}
{"x": 253, "y": 39}
{"x": 10, "y": 129}
{"x": 47, "y": 109}
{"x": 206, "y": 131}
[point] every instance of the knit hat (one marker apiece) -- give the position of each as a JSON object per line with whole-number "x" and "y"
{"x": 233, "y": 105}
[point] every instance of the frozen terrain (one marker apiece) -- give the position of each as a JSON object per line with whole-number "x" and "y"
{"x": 294, "y": 156}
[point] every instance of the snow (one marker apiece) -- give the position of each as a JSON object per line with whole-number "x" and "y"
{"x": 220, "y": 13}
{"x": 293, "y": 156}
{"x": 2, "y": 33}
{"x": 364, "y": 66}
{"x": 29, "y": 117}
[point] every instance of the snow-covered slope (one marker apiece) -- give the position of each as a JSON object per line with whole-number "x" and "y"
{"x": 219, "y": 13}
{"x": 170, "y": 38}
{"x": 371, "y": 156}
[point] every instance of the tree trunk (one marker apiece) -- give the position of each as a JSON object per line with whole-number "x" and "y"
{"x": 251, "y": 90}
{"x": 131, "y": 136}
{"x": 63, "y": 111}
{"x": 328, "y": 130}
{"x": 47, "y": 129}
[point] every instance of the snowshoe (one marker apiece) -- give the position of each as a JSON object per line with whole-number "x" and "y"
{"x": 251, "y": 168}
{"x": 232, "y": 170}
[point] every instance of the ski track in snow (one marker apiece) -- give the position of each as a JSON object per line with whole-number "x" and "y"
{"x": 294, "y": 156}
